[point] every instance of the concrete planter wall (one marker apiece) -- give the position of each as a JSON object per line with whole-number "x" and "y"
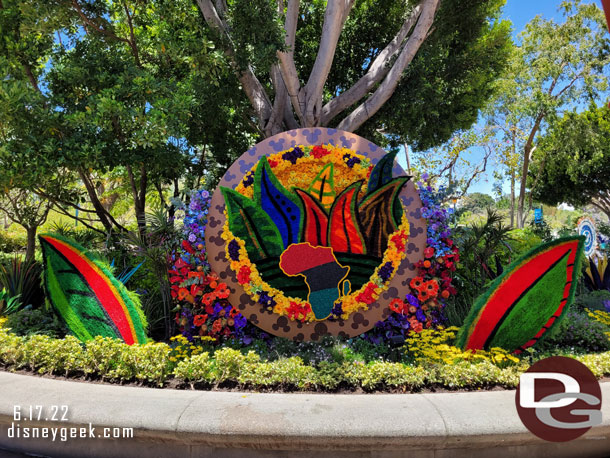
{"x": 170, "y": 423}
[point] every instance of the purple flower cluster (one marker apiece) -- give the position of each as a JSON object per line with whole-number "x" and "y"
{"x": 438, "y": 217}
{"x": 265, "y": 300}
{"x": 248, "y": 179}
{"x": 351, "y": 160}
{"x": 194, "y": 223}
{"x": 233, "y": 248}
{"x": 385, "y": 271}
{"x": 293, "y": 155}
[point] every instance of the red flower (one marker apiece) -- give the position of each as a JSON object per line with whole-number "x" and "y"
{"x": 208, "y": 298}
{"x": 319, "y": 151}
{"x": 417, "y": 283}
{"x": 397, "y": 306}
{"x": 399, "y": 240}
{"x": 272, "y": 163}
{"x": 367, "y": 295}
{"x": 180, "y": 263}
{"x": 298, "y": 312}
{"x": 416, "y": 325}
{"x": 431, "y": 288}
{"x": 187, "y": 246}
{"x": 243, "y": 275}
{"x": 423, "y": 296}
{"x": 200, "y": 320}
{"x": 429, "y": 252}
{"x": 445, "y": 294}
{"x": 222, "y": 292}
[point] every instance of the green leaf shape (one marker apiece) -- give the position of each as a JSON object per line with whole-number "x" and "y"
{"x": 252, "y": 224}
{"x": 527, "y": 300}
{"x": 382, "y": 173}
{"x": 532, "y": 312}
{"x": 323, "y": 186}
{"x": 72, "y": 292}
{"x": 379, "y": 217}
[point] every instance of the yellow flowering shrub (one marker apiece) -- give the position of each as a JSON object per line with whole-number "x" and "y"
{"x": 600, "y": 316}
{"x": 432, "y": 346}
{"x": 182, "y": 348}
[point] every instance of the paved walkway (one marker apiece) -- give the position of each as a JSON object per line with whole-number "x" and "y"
{"x": 231, "y": 424}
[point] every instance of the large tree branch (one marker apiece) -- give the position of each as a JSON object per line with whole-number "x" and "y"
{"x": 385, "y": 90}
{"x": 251, "y": 85}
{"x": 132, "y": 36}
{"x": 88, "y": 22}
{"x": 334, "y": 17}
{"x": 286, "y": 58}
{"x": 378, "y": 69}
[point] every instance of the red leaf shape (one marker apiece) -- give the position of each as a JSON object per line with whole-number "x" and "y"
{"x": 315, "y": 225}
{"x": 344, "y": 233}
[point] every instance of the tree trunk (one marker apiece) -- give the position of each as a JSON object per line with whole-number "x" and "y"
{"x": 138, "y": 190}
{"x": 31, "y": 243}
{"x": 527, "y": 150}
{"x": 512, "y": 198}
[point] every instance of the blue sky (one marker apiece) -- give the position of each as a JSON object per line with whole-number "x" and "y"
{"x": 520, "y": 12}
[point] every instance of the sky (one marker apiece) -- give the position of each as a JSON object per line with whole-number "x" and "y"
{"x": 520, "y": 12}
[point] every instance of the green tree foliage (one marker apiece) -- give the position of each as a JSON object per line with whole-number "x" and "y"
{"x": 133, "y": 90}
{"x": 554, "y": 67}
{"x": 574, "y": 160}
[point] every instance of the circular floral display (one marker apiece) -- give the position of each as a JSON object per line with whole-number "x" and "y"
{"x": 316, "y": 232}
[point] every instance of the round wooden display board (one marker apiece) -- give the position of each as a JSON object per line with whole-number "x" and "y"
{"x": 358, "y": 322}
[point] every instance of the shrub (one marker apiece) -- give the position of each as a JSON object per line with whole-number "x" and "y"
{"x": 198, "y": 368}
{"x": 284, "y": 372}
{"x": 12, "y": 242}
{"x": 593, "y": 300}
{"x": 29, "y": 321}
{"x": 111, "y": 359}
{"x": 578, "y": 331}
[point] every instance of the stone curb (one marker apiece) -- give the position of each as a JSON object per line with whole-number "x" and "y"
{"x": 231, "y": 424}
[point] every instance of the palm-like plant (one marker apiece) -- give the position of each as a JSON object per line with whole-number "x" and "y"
{"x": 22, "y": 278}
{"x": 597, "y": 274}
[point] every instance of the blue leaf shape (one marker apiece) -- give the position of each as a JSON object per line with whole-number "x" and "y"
{"x": 382, "y": 173}
{"x": 283, "y": 208}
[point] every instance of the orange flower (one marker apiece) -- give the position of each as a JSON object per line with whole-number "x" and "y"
{"x": 208, "y": 298}
{"x": 182, "y": 293}
{"x": 423, "y": 296}
{"x": 223, "y": 292}
{"x": 397, "y": 305}
{"x": 445, "y": 294}
{"x": 199, "y": 320}
{"x": 427, "y": 264}
{"x": 431, "y": 288}
{"x": 417, "y": 283}
{"x": 217, "y": 326}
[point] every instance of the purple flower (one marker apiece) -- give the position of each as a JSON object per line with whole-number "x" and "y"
{"x": 248, "y": 179}
{"x": 233, "y": 248}
{"x": 385, "y": 271}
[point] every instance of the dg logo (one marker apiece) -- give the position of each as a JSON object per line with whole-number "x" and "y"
{"x": 559, "y": 399}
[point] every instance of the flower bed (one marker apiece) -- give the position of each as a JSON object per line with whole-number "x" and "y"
{"x": 426, "y": 361}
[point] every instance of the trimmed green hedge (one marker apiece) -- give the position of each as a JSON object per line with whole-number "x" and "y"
{"x": 112, "y": 360}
